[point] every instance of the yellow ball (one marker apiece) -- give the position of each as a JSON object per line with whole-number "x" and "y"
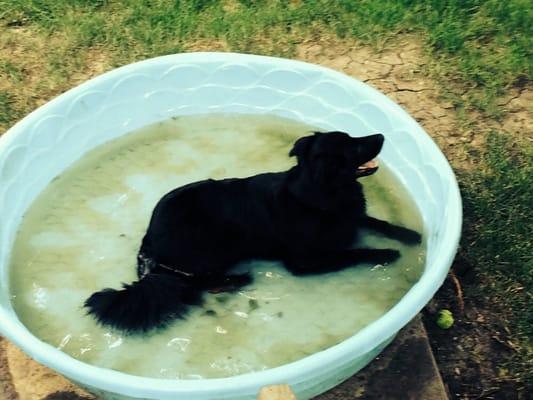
{"x": 445, "y": 319}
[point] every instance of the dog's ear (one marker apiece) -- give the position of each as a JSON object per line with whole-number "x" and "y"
{"x": 302, "y": 145}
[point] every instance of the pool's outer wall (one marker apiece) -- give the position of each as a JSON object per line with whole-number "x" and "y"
{"x": 312, "y": 385}
{"x": 50, "y": 139}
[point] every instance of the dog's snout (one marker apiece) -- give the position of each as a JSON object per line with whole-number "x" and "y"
{"x": 375, "y": 142}
{"x": 377, "y": 139}
{"x": 367, "y": 148}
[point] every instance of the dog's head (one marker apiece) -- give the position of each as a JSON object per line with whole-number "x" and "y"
{"x": 336, "y": 158}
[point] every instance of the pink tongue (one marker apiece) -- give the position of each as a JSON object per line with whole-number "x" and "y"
{"x": 370, "y": 164}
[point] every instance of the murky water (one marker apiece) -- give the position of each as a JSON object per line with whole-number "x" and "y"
{"x": 83, "y": 232}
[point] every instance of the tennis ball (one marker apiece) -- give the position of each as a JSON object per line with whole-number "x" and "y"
{"x": 445, "y": 319}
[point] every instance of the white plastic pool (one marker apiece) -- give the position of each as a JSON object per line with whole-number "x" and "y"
{"x": 47, "y": 141}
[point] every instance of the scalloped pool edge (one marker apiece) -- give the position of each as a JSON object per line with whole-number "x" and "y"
{"x": 51, "y": 138}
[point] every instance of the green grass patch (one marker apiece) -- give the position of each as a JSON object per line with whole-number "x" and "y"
{"x": 11, "y": 71}
{"x": 484, "y": 45}
{"x": 7, "y": 112}
{"x": 497, "y": 234}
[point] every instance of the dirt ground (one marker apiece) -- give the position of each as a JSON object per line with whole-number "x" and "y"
{"x": 471, "y": 353}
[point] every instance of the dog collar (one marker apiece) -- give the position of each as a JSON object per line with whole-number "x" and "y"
{"x": 149, "y": 262}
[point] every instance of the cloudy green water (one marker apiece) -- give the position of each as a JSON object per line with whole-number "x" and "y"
{"x": 83, "y": 232}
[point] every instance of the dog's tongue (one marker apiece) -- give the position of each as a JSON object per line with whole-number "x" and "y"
{"x": 367, "y": 168}
{"x": 369, "y": 164}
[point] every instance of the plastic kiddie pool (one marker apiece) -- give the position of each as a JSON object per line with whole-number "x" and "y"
{"x": 57, "y": 134}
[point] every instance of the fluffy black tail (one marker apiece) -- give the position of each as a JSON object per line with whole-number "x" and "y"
{"x": 148, "y": 303}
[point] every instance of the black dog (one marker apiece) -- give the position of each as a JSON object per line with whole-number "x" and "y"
{"x": 308, "y": 217}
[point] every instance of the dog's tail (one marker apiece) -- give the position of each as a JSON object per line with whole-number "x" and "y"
{"x": 150, "y": 302}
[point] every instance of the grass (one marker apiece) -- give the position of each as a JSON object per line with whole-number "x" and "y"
{"x": 498, "y": 200}
{"x": 479, "y": 50}
{"x": 6, "y": 108}
{"x": 483, "y": 46}
{"x": 497, "y": 239}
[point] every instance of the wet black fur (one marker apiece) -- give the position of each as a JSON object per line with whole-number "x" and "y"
{"x": 307, "y": 217}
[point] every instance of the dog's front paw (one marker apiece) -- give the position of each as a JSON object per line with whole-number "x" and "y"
{"x": 410, "y": 237}
{"x": 386, "y": 256}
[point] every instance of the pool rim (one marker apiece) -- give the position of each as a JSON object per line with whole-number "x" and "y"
{"x": 316, "y": 364}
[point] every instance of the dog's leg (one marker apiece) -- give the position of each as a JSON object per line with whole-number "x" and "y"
{"x": 332, "y": 262}
{"x": 404, "y": 235}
